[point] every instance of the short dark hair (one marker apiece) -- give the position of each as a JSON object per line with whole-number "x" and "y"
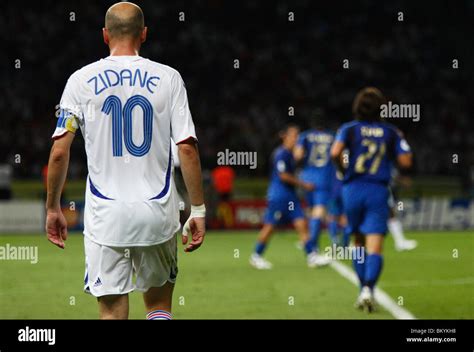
{"x": 367, "y": 103}
{"x": 129, "y": 25}
{"x": 286, "y": 128}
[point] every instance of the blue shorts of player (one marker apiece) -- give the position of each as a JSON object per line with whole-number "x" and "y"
{"x": 335, "y": 205}
{"x": 282, "y": 211}
{"x": 318, "y": 197}
{"x": 366, "y": 207}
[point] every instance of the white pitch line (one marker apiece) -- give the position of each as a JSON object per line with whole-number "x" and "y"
{"x": 380, "y": 296}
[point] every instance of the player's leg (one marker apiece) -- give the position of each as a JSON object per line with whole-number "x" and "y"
{"x": 263, "y": 238}
{"x": 156, "y": 269}
{"x": 256, "y": 259}
{"x": 374, "y": 226}
{"x": 374, "y": 259}
{"x": 346, "y": 232}
{"x": 333, "y": 228}
{"x": 272, "y": 215}
{"x": 358, "y": 257}
{"x": 158, "y": 302}
{"x": 301, "y": 227}
{"x": 373, "y": 269}
{"x": 353, "y": 202}
{"x": 108, "y": 277}
{"x": 298, "y": 219}
{"x": 313, "y": 259}
{"x": 395, "y": 227}
{"x": 318, "y": 213}
{"x": 336, "y": 220}
{"x": 113, "y": 307}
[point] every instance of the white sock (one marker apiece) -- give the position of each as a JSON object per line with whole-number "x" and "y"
{"x": 396, "y": 229}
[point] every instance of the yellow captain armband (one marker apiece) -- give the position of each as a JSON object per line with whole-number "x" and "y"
{"x": 67, "y": 122}
{"x": 71, "y": 124}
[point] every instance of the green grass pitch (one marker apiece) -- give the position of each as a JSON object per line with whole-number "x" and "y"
{"x": 434, "y": 281}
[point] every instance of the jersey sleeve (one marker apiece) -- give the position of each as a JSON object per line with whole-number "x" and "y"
{"x": 341, "y": 135}
{"x": 182, "y": 126}
{"x": 70, "y": 110}
{"x": 67, "y": 122}
{"x": 401, "y": 145}
{"x": 301, "y": 141}
{"x": 282, "y": 163}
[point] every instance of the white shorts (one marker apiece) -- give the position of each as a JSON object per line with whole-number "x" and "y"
{"x": 109, "y": 270}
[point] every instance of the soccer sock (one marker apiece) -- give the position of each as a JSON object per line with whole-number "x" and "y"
{"x": 308, "y": 246}
{"x": 260, "y": 248}
{"x": 373, "y": 269}
{"x": 346, "y": 236}
{"x": 333, "y": 230}
{"x": 158, "y": 315}
{"x": 359, "y": 265}
{"x": 396, "y": 229}
{"x": 314, "y": 232}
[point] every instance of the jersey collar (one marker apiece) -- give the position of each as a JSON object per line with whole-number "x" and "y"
{"x": 120, "y": 58}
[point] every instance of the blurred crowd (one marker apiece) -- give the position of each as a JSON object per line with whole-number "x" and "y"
{"x": 249, "y": 70}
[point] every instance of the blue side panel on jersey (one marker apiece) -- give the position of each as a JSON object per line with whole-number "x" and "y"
{"x": 167, "y": 180}
{"x": 96, "y": 192}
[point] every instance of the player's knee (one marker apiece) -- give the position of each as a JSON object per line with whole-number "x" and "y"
{"x": 318, "y": 211}
{"x": 113, "y": 307}
{"x": 359, "y": 240}
{"x": 374, "y": 244}
{"x": 159, "y": 297}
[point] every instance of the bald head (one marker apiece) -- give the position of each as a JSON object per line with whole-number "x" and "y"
{"x": 124, "y": 20}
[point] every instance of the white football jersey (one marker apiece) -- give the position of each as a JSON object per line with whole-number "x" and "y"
{"x": 128, "y": 109}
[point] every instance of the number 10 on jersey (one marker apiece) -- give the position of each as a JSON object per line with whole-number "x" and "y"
{"x": 122, "y": 124}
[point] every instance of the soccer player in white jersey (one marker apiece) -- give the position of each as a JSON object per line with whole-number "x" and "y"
{"x": 128, "y": 109}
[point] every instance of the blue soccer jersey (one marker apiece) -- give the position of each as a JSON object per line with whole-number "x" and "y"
{"x": 282, "y": 161}
{"x": 283, "y": 203}
{"x": 373, "y": 148}
{"x": 317, "y": 166}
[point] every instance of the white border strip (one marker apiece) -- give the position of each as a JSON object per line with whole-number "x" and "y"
{"x": 380, "y": 296}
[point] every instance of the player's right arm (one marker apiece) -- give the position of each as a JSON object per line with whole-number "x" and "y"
{"x": 67, "y": 124}
{"x": 294, "y": 181}
{"x": 56, "y": 225}
{"x": 337, "y": 149}
{"x": 282, "y": 166}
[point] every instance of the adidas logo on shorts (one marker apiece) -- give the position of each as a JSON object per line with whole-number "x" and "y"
{"x": 97, "y": 282}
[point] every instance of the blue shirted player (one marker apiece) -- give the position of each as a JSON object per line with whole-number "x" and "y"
{"x": 283, "y": 203}
{"x": 313, "y": 150}
{"x": 373, "y": 149}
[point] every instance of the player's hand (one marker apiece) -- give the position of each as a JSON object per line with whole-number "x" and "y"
{"x": 196, "y": 227}
{"x": 56, "y": 227}
{"x": 308, "y": 186}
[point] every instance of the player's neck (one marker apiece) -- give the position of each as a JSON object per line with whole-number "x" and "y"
{"x": 124, "y": 49}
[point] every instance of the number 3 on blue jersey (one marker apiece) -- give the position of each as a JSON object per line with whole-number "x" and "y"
{"x": 113, "y": 105}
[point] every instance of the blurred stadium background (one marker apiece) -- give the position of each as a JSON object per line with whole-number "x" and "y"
{"x": 283, "y": 66}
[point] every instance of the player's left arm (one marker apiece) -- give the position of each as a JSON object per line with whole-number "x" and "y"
{"x": 299, "y": 150}
{"x": 56, "y": 225}
{"x": 337, "y": 150}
